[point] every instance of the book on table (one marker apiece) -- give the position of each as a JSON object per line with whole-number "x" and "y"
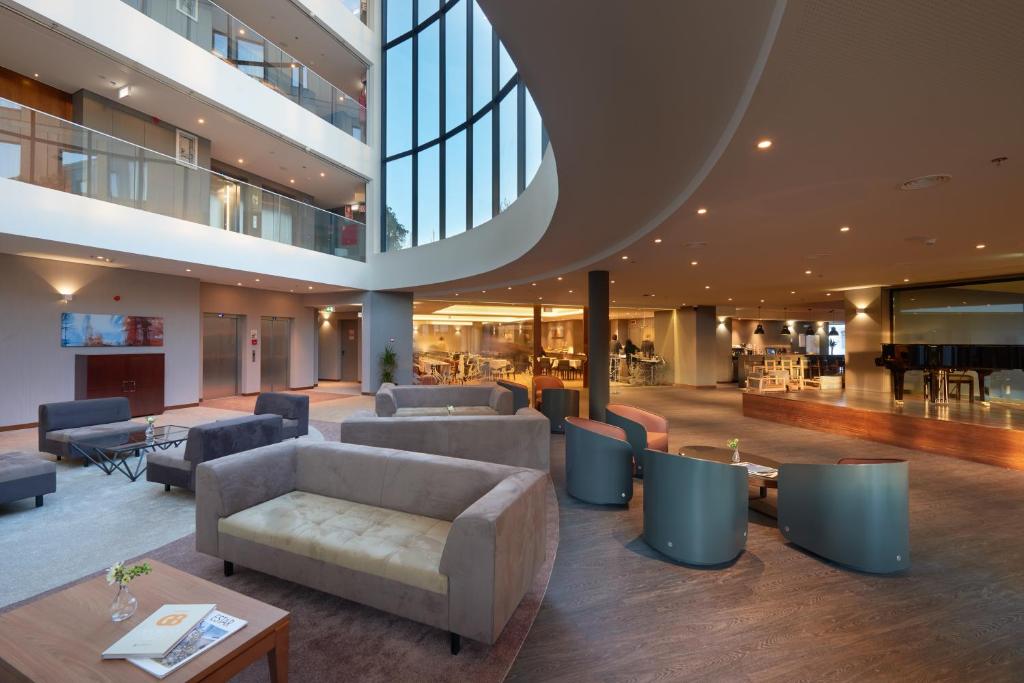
{"x": 159, "y": 632}
{"x": 759, "y": 470}
{"x": 207, "y": 633}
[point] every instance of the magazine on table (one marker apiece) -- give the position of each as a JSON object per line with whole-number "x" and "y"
{"x": 214, "y": 628}
{"x": 759, "y": 470}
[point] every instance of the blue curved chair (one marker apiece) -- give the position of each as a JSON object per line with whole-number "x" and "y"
{"x": 520, "y": 394}
{"x": 695, "y": 511}
{"x": 855, "y": 512}
{"x": 643, "y": 430}
{"x": 598, "y": 462}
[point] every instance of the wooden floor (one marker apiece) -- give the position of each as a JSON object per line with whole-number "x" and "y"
{"x": 993, "y": 435}
{"x": 618, "y": 611}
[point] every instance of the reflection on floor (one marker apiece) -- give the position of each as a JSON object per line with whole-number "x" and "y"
{"x": 617, "y": 610}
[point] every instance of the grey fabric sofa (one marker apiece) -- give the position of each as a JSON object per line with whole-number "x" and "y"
{"x": 451, "y": 543}
{"x": 409, "y": 401}
{"x": 177, "y": 466}
{"x": 293, "y": 409}
{"x": 64, "y": 422}
{"x": 855, "y": 512}
{"x": 520, "y": 440}
{"x": 26, "y": 475}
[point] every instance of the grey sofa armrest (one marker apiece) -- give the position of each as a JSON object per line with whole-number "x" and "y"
{"x": 492, "y": 554}
{"x": 288, "y": 406}
{"x": 237, "y": 482}
{"x": 501, "y": 401}
{"x": 385, "y": 402}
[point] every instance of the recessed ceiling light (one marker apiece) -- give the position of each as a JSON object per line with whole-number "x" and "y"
{"x": 257, "y": 279}
{"x": 613, "y": 282}
{"x": 764, "y": 144}
{"x": 701, "y": 211}
{"x": 322, "y": 174}
{"x": 559, "y": 278}
{"x": 188, "y": 270}
{"x": 533, "y": 284}
{"x": 35, "y": 75}
{"x": 625, "y": 258}
{"x": 291, "y": 180}
{"x": 241, "y": 161}
{"x": 239, "y": 284}
{"x": 241, "y": 31}
{"x": 979, "y": 246}
{"x": 311, "y": 287}
{"x": 906, "y": 279}
{"x": 828, "y": 293}
{"x": 762, "y": 300}
{"x": 845, "y": 228}
{"x": 510, "y": 288}
{"x": 707, "y": 286}
{"x": 807, "y": 272}
{"x": 657, "y": 240}
{"x": 483, "y": 291}
{"x": 730, "y": 298}
{"x": 693, "y": 263}
{"x": 540, "y": 298}
{"x": 793, "y": 292}
{"x": 456, "y": 293}
{"x": 614, "y": 301}
{"x": 202, "y": 120}
{"x": 570, "y": 291}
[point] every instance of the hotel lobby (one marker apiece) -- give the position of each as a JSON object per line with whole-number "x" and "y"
{"x": 318, "y": 341}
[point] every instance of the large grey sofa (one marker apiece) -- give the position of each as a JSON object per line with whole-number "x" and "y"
{"x": 520, "y": 440}
{"x": 419, "y": 401}
{"x": 293, "y": 409}
{"x": 447, "y": 542}
{"x": 177, "y": 466}
{"x": 62, "y": 423}
{"x": 26, "y": 475}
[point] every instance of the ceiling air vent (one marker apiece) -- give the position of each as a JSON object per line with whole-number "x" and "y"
{"x": 926, "y": 181}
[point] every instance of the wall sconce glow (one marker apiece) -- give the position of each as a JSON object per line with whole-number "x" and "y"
{"x": 66, "y": 298}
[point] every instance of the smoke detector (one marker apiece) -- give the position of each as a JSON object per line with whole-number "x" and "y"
{"x": 926, "y": 181}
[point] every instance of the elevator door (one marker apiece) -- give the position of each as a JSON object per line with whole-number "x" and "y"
{"x": 275, "y": 336}
{"x": 349, "y": 350}
{"x": 220, "y": 355}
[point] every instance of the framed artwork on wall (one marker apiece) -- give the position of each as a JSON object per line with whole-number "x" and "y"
{"x": 104, "y": 329}
{"x": 187, "y": 146}
{"x": 190, "y": 8}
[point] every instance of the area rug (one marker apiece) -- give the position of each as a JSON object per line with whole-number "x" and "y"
{"x": 332, "y": 639}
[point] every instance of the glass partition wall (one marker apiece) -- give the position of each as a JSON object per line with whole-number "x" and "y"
{"x": 462, "y": 137}
{"x": 44, "y": 150}
{"x": 964, "y": 313}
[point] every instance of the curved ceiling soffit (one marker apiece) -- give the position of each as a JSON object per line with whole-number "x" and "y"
{"x": 724, "y": 139}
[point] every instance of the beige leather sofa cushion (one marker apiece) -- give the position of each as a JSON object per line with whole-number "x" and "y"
{"x": 394, "y": 545}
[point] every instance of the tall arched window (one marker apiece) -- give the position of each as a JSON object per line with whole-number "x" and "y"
{"x": 462, "y": 137}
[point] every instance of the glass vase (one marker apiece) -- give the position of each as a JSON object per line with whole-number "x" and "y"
{"x": 124, "y": 605}
{"x": 735, "y": 455}
{"x": 149, "y": 433}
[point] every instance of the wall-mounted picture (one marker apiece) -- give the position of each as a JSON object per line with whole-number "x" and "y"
{"x": 104, "y": 329}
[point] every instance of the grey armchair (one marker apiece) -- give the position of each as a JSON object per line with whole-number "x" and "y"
{"x": 643, "y": 430}
{"x": 293, "y": 409}
{"x": 695, "y": 511}
{"x": 520, "y": 394}
{"x": 598, "y": 462}
{"x": 855, "y": 513}
{"x": 64, "y": 422}
{"x": 206, "y": 442}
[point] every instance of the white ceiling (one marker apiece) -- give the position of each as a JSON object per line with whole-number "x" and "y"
{"x": 857, "y": 97}
{"x": 28, "y": 48}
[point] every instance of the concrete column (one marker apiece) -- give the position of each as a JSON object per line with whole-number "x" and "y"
{"x": 538, "y": 349}
{"x": 867, "y": 328}
{"x": 387, "y": 319}
{"x": 598, "y": 337}
{"x": 723, "y": 349}
{"x": 689, "y": 344}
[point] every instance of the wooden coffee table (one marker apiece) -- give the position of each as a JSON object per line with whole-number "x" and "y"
{"x": 760, "y": 502}
{"x": 59, "y": 637}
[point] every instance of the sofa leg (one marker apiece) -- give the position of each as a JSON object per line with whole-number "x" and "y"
{"x": 167, "y": 487}
{"x": 229, "y": 568}
{"x": 456, "y": 643}
{"x": 39, "y": 501}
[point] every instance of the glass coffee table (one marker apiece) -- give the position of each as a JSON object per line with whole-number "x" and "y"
{"x": 759, "y": 479}
{"x": 112, "y": 452}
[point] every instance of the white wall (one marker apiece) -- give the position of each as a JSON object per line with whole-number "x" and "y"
{"x": 35, "y": 369}
{"x": 115, "y": 28}
{"x": 254, "y": 304}
{"x": 346, "y": 27}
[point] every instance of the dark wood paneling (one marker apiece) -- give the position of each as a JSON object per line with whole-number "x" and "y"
{"x": 32, "y": 93}
{"x": 982, "y": 443}
{"x": 139, "y": 377}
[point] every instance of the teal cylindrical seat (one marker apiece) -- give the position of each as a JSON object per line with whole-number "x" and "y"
{"x": 598, "y": 462}
{"x": 855, "y": 512}
{"x": 695, "y": 511}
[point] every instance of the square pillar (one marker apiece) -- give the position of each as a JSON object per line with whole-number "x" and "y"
{"x": 387, "y": 319}
{"x": 867, "y": 328}
{"x": 598, "y": 340}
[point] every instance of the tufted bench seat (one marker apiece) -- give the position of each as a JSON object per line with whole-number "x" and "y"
{"x": 26, "y": 475}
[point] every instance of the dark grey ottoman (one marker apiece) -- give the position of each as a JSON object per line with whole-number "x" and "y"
{"x": 24, "y": 475}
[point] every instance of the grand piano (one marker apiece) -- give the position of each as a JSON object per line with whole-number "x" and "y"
{"x": 938, "y": 360}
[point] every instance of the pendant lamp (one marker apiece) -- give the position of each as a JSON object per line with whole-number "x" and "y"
{"x": 785, "y": 325}
{"x": 760, "y": 328}
{"x": 833, "y": 332}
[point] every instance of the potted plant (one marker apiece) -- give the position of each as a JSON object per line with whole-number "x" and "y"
{"x": 388, "y": 364}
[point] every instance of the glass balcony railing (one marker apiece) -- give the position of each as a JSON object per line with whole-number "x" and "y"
{"x": 44, "y": 150}
{"x": 210, "y": 27}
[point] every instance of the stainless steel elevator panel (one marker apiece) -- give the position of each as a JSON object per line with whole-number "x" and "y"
{"x": 220, "y": 355}
{"x": 275, "y": 337}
